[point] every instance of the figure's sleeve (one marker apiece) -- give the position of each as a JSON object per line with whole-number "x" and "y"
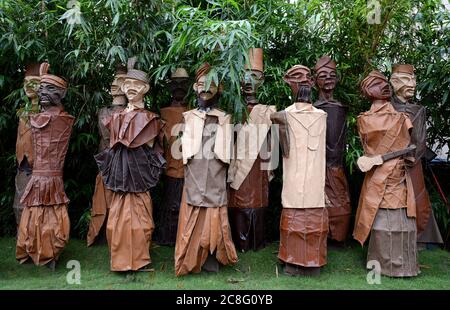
{"x": 280, "y": 119}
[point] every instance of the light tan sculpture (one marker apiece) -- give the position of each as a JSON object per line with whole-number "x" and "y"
{"x": 304, "y": 219}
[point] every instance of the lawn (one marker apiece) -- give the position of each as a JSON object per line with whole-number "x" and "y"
{"x": 255, "y": 270}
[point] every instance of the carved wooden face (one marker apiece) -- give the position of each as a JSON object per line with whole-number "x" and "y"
{"x": 202, "y": 92}
{"x": 135, "y": 90}
{"x": 50, "y": 95}
{"x": 326, "y": 78}
{"x": 378, "y": 89}
{"x": 301, "y": 77}
{"x": 251, "y": 82}
{"x": 116, "y": 87}
{"x": 404, "y": 85}
{"x": 31, "y": 86}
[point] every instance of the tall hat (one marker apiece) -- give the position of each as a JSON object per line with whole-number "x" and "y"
{"x": 203, "y": 70}
{"x": 32, "y": 69}
{"x": 179, "y": 73}
{"x": 288, "y": 76}
{"x": 50, "y": 78}
{"x": 255, "y": 56}
{"x": 403, "y": 68}
{"x": 325, "y": 62}
{"x": 134, "y": 73}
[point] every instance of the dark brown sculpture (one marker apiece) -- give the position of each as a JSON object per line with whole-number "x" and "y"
{"x": 249, "y": 172}
{"x": 24, "y": 144}
{"x": 403, "y": 81}
{"x": 204, "y": 236}
{"x": 173, "y": 179}
{"x": 102, "y": 196}
{"x": 130, "y": 167}
{"x": 387, "y": 207}
{"x": 304, "y": 219}
{"x": 336, "y": 187}
{"x": 44, "y": 226}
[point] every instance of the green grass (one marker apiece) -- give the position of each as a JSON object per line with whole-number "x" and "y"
{"x": 255, "y": 270}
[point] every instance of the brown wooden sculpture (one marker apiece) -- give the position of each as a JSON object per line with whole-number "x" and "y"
{"x": 130, "y": 167}
{"x": 173, "y": 178}
{"x": 44, "y": 226}
{"x": 304, "y": 219}
{"x": 249, "y": 172}
{"x": 336, "y": 187}
{"x": 24, "y": 144}
{"x": 102, "y": 196}
{"x": 387, "y": 208}
{"x": 204, "y": 236}
{"x": 403, "y": 81}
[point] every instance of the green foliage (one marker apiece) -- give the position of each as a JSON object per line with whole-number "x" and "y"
{"x": 167, "y": 34}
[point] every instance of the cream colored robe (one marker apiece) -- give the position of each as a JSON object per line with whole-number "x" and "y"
{"x": 304, "y": 168}
{"x": 250, "y": 140}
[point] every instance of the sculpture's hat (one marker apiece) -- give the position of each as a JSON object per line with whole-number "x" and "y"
{"x": 32, "y": 69}
{"x": 134, "y": 73}
{"x": 50, "y": 78}
{"x": 289, "y": 76}
{"x": 403, "y": 68}
{"x": 203, "y": 70}
{"x": 374, "y": 75}
{"x": 325, "y": 62}
{"x": 180, "y": 73}
{"x": 255, "y": 56}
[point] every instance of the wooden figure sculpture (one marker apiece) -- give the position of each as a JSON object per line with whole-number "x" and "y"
{"x": 304, "y": 219}
{"x": 403, "y": 81}
{"x": 387, "y": 207}
{"x": 336, "y": 187}
{"x": 249, "y": 171}
{"x": 24, "y": 143}
{"x": 130, "y": 167}
{"x": 174, "y": 173}
{"x": 204, "y": 237}
{"x": 44, "y": 226}
{"x": 102, "y": 195}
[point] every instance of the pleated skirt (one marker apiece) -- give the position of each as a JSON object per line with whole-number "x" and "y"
{"x": 303, "y": 236}
{"x": 393, "y": 243}
{"x": 129, "y": 230}
{"x": 202, "y": 231}
{"x": 43, "y": 233}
